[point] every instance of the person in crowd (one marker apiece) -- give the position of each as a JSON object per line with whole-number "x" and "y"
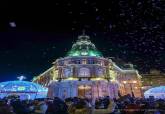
{"x": 104, "y": 105}
{"x": 19, "y": 107}
{"x": 5, "y": 108}
{"x": 40, "y": 107}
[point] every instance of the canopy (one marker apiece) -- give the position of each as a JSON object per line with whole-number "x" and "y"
{"x": 156, "y": 92}
{"x": 24, "y": 89}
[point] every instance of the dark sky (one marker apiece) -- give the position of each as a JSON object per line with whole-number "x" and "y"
{"x": 34, "y": 34}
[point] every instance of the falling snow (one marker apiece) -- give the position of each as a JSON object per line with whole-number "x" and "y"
{"x": 132, "y": 30}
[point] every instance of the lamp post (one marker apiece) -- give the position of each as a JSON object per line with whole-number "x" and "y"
{"x": 141, "y": 91}
{"x": 131, "y": 89}
{"x": 133, "y": 82}
{"x": 84, "y": 90}
{"x": 130, "y": 84}
{"x": 124, "y": 82}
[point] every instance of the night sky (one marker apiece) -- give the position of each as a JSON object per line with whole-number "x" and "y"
{"x": 34, "y": 34}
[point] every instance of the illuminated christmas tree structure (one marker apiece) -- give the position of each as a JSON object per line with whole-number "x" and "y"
{"x": 84, "y": 72}
{"x": 84, "y": 47}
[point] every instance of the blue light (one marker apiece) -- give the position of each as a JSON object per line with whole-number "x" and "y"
{"x": 22, "y": 88}
{"x": 156, "y": 92}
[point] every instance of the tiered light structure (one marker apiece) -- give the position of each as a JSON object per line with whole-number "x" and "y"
{"x": 84, "y": 47}
{"x": 84, "y": 72}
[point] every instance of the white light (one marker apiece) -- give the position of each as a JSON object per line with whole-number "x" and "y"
{"x": 2, "y": 85}
{"x": 21, "y": 78}
{"x": 12, "y": 24}
{"x": 84, "y": 53}
{"x": 124, "y": 82}
{"x": 112, "y": 80}
{"x": 134, "y": 81}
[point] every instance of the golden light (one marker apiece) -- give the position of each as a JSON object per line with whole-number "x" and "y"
{"x": 134, "y": 81}
{"x": 84, "y": 87}
{"x": 55, "y": 80}
{"x": 136, "y": 87}
{"x": 71, "y": 78}
{"x": 124, "y": 82}
{"x": 112, "y": 80}
{"x": 97, "y": 79}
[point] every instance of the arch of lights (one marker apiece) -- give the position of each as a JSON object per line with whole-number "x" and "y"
{"x": 24, "y": 89}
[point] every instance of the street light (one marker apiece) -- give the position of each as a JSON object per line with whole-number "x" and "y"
{"x": 84, "y": 90}
{"x": 140, "y": 88}
{"x": 134, "y": 81}
{"x": 130, "y": 83}
{"x": 136, "y": 87}
{"x": 131, "y": 87}
{"x": 124, "y": 82}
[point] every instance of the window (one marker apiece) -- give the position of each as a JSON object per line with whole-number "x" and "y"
{"x": 67, "y": 72}
{"x": 73, "y": 61}
{"x": 65, "y": 62}
{"x": 84, "y": 72}
{"x": 78, "y": 62}
{"x": 84, "y": 61}
{"x": 102, "y": 63}
{"x": 90, "y": 61}
{"x": 61, "y": 63}
{"x": 100, "y": 72}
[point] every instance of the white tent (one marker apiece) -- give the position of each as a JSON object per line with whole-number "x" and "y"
{"x": 24, "y": 89}
{"x": 156, "y": 92}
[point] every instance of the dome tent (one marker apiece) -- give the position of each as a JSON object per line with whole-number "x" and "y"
{"x": 25, "y": 89}
{"x": 156, "y": 92}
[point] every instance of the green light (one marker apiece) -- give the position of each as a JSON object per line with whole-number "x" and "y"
{"x": 84, "y": 53}
{"x": 92, "y": 53}
{"x": 76, "y": 53}
{"x": 21, "y": 88}
{"x": 84, "y": 47}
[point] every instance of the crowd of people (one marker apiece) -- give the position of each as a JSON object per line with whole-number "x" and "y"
{"x": 104, "y": 105}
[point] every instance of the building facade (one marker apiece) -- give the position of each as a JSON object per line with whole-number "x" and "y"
{"x": 84, "y": 72}
{"x": 154, "y": 78}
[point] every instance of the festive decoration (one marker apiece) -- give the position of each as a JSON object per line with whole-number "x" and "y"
{"x": 24, "y": 89}
{"x": 84, "y": 47}
{"x": 86, "y": 73}
{"x": 21, "y": 78}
